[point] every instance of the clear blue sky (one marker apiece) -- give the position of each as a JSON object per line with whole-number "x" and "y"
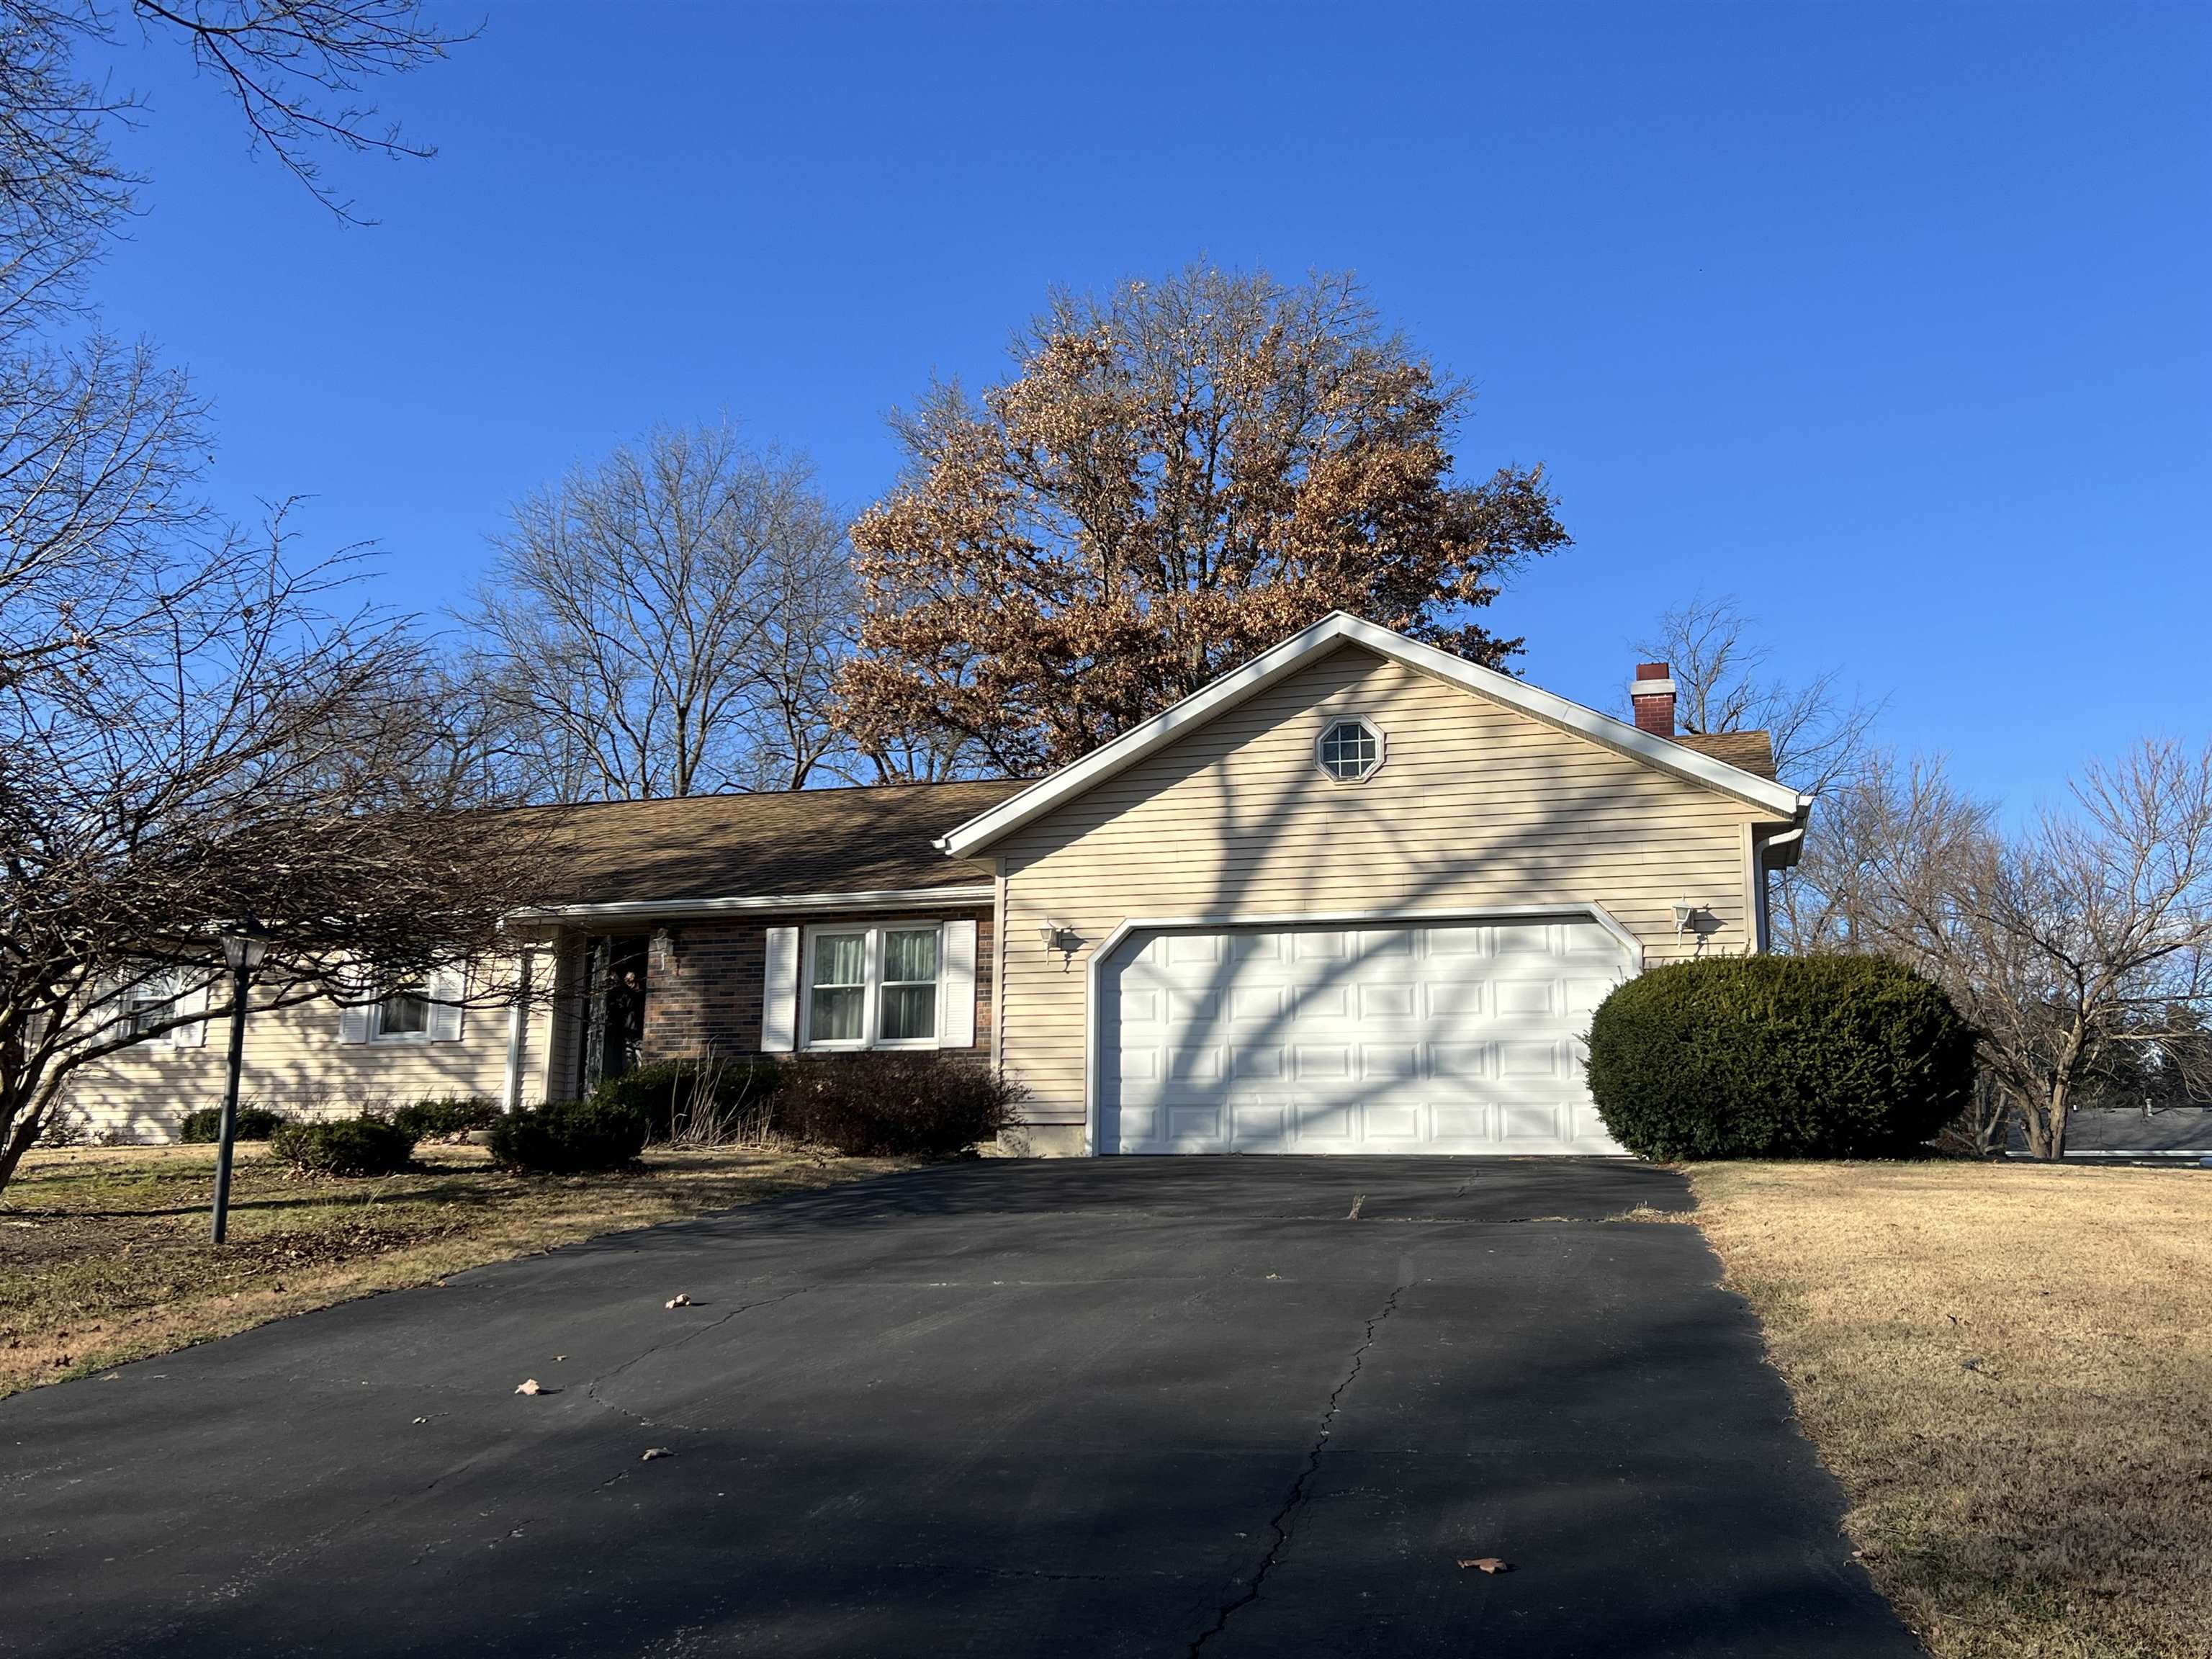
{"x": 1891, "y": 319}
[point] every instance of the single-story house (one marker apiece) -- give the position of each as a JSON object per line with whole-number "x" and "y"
{"x": 2129, "y": 1133}
{"x": 1357, "y": 896}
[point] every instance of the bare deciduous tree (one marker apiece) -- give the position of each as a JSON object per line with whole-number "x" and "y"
{"x": 2090, "y": 929}
{"x": 189, "y": 732}
{"x": 296, "y": 70}
{"x": 98, "y": 449}
{"x": 669, "y": 618}
{"x": 1822, "y": 733}
{"x": 812, "y": 616}
{"x": 227, "y": 745}
{"x": 1178, "y": 476}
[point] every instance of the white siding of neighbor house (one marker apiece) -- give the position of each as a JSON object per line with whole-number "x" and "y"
{"x": 294, "y": 1061}
{"x": 1476, "y": 804}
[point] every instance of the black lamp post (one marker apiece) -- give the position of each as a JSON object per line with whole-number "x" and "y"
{"x": 242, "y": 948}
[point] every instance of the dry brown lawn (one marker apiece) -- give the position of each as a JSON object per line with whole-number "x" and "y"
{"x": 2011, "y": 1371}
{"x": 104, "y": 1253}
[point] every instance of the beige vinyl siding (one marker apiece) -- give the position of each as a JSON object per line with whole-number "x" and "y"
{"x": 294, "y": 1061}
{"x": 553, "y": 1069}
{"x": 1476, "y": 804}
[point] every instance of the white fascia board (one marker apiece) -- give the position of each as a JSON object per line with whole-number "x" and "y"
{"x": 891, "y": 898}
{"x": 1337, "y": 627}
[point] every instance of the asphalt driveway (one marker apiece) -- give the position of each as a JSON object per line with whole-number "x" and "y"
{"x": 1171, "y": 1407}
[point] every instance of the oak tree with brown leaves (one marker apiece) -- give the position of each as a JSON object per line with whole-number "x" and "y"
{"x": 1176, "y": 476}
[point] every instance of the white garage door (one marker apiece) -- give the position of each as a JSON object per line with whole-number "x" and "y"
{"x": 1429, "y": 1038}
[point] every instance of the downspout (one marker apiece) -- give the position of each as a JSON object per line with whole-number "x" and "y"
{"x": 1769, "y": 854}
{"x": 999, "y": 966}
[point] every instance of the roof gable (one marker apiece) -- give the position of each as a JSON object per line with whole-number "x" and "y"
{"x": 1691, "y": 763}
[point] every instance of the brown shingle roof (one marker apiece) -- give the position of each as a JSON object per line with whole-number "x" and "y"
{"x": 807, "y": 841}
{"x": 1752, "y": 752}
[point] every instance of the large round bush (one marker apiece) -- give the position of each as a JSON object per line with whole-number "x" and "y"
{"x": 570, "y": 1137}
{"x": 1779, "y": 1057}
{"x": 344, "y": 1146}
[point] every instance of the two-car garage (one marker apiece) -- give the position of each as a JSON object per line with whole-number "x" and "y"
{"x": 1455, "y": 1036}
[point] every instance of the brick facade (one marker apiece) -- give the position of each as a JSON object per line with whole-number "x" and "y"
{"x": 710, "y": 999}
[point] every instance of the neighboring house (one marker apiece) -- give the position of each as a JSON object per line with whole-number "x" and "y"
{"x": 2125, "y": 1131}
{"x": 1357, "y": 896}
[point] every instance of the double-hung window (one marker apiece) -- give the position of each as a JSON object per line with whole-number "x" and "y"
{"x": 426, "y": 1007}
{"x": 151, "y": 1007}
{"x": 837, "y": 991}
{"x": 405, "y": 1015}
{"x": 872, "y": 988}
{"x": 150, "y": 1001}
{"x": 908, "y": 1011}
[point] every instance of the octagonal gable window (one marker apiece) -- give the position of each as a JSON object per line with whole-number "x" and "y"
{"x": 1349, "y": 750}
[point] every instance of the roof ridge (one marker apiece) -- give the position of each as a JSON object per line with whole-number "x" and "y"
{"x": 753, "y": 794}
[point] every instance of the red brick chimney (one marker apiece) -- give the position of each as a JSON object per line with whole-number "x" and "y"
{"x": 1653, "y": 697}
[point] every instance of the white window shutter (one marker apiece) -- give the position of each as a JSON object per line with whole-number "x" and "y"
{"x": 355, "y": 1018}
{"x": 447, "y": 987}
{"x": 194, "y": 1035}
{"x": 956, "y": 988}
{"x": 780, "y": 993}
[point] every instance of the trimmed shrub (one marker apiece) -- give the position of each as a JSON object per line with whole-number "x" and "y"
{"x": 344, "y": 1146}
{"x": 570, "y": 1137}
{"x": 1779, "y": 1057}
{"x": 453, "y": 1115}
{"x": 205, "y": 1125}
{"x": 697, "y": 1100}
{"x": 891, "y": 1105}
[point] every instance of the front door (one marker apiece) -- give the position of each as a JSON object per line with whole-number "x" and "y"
{"x": 614, "y": 1009}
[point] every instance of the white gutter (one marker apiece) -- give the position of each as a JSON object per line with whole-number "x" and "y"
{"x": 887, "y": 898}
{"x": 1779, "y": 852}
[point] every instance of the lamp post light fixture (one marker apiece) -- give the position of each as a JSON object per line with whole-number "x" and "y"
{"x": 243, "y": 948}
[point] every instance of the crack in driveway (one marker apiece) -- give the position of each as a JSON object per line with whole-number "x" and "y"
{"x": 1280, "y": 1524}
{"x": 591, "y": 1387}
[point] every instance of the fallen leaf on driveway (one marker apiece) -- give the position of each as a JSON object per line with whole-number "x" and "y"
{"x": 1487, "y": 1564}
{"x": 678, "y": 1300}
{"x": 532, "y": 1385}
{"x": 652, "y": 1452}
